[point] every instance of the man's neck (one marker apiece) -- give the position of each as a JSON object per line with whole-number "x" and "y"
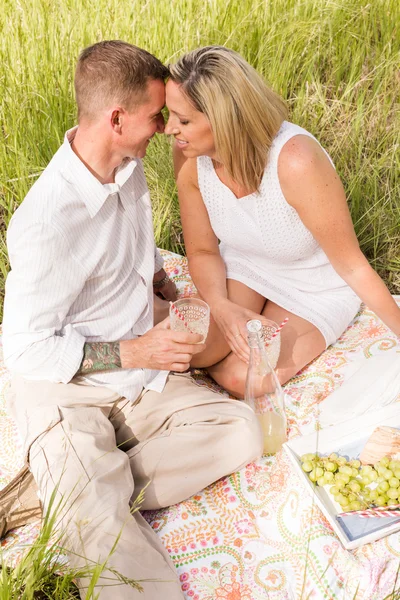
{"x": 93, "y": 148}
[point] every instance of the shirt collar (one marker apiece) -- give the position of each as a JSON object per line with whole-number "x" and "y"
{"x": 91, "y": 191}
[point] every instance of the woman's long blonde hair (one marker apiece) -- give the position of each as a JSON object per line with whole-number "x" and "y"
{"x": 244, "y": 113}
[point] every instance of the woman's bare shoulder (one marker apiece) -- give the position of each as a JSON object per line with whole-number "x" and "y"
{"x": 300, "y": 155}
{"x": 304, "y": 168}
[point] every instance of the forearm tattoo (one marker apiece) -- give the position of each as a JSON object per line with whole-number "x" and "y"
{"x": 100, "y": 356}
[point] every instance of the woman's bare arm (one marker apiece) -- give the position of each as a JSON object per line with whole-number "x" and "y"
{"x": 206, "y": 265}
{"x": 311, "y": 185}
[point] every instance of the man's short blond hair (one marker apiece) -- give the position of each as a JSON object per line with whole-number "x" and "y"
{"x": 114, "y": 72}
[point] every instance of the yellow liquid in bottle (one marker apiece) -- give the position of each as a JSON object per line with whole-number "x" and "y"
{"x": 274, "y": 431}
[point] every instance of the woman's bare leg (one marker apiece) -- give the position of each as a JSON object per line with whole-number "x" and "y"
{"x": 216, "y": 346}
{"x": 301, "y": 342}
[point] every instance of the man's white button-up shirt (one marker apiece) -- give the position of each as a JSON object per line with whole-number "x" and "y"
{"x": 82, "y": 260}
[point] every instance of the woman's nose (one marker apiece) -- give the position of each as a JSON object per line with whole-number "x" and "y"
{"x": 169, "y": 127}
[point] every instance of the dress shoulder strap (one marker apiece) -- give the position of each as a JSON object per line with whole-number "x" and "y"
{"x": 287, "y": 131}
{"x": 206, "y": 182}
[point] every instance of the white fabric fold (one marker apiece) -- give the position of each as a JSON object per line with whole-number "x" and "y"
{"x": 373, "y": 383}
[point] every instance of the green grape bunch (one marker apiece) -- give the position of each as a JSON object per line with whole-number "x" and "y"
{"x": 353, "y": 485}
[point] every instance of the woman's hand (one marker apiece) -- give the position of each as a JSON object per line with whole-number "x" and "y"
{"x": 231, "y": 320}
{"x": 164, "y": 287}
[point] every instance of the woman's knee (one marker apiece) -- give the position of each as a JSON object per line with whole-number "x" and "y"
{"x": 215, "y": 351}
{"x": 233, "y": 380}
{"x": 209, "y": 358}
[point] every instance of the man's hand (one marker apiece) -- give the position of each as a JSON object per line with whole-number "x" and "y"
{"x": 163, "y": 286}
{"x": 160, "y": 349}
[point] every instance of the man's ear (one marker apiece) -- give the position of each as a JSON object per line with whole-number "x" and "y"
{"x": 116, "y": 120}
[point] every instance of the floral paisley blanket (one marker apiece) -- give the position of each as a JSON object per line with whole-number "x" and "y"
{"x": 256, "y": 535}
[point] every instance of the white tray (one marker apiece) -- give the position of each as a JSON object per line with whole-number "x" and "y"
{"x": 347, "y": 439}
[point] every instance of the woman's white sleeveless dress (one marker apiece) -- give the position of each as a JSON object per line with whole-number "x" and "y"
{"x": 265, "y": 245}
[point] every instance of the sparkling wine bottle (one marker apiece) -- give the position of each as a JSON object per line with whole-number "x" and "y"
{"x": 264, "y": 393}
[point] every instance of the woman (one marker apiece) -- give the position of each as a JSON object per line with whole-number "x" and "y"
{"x": 269, "y": 192}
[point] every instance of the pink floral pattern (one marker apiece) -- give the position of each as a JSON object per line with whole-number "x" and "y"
{"x": 256, "y": 534}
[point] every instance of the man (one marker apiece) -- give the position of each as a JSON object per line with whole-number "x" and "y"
{"x": 101, "y": 416}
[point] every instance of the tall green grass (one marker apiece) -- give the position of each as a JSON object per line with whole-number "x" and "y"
{"x": 336, "y": 62}
{"x": 43, "y": 572}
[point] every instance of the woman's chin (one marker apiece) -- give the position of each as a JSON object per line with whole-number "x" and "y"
{"x": 189, "y": 152}
{"x": 184, "y": 149}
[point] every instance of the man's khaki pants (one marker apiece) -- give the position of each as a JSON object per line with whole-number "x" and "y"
{"x": 99, "y": 451}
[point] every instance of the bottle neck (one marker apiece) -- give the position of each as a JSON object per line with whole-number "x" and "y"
{"x": 258, "y": 355}
{"x": 254, "y": 339}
